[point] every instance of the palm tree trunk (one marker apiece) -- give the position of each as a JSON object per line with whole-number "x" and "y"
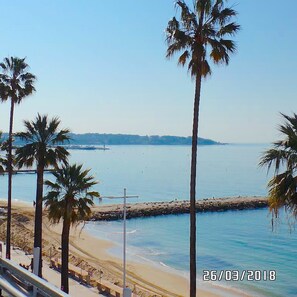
{"x": 38, "y": 214}
{"x": 65, "y": 255}
{"x": 193, "y": 189}
{"x": 9, "y": 161}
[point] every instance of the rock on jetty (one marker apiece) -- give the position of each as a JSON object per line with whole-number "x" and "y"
{"x": 115, "y": 212}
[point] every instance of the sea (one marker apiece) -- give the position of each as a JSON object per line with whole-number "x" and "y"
{"x": 237, "y": 242}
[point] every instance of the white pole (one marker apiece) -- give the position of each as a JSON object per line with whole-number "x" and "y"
{"x": 36, "y": 257}
{"x": 124, "y": 243}
{"x": 126, "y": 291}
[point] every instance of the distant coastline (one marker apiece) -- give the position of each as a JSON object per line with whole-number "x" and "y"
{"x": 102, "y": 139}
{"x": 130, "y": 139}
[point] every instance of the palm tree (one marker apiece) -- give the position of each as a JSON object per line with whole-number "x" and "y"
{"x": 42, "y": 138}
{"x": 283, "y": 157}
{"x": 16, "y": 83}
{"x": 201, "y": 33}
{"x": 69, "y": 199}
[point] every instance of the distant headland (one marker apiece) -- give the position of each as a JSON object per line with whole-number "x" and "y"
{"x": 124, "y": 139}
{"x": 102, "y": 139}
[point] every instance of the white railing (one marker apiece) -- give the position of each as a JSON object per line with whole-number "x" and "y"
{"x": 16, "y": 270}
{"x": 6, "y": 286}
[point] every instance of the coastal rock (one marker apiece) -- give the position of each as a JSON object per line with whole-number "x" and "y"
{"x": 114, "y": 212}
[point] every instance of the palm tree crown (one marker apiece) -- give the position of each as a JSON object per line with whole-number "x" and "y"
{"x": 70, "y": 197}
{"x": 42, "y": 139}
{"x": 201, "y": 33}
{"x": 283, "y": 157}
{"x": 15, "y": 82}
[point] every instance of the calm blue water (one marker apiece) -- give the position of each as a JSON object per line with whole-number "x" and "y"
{"x": 238, "y": 240}
{"x": 231, "y": 240}
{"x": 157, "y": 173}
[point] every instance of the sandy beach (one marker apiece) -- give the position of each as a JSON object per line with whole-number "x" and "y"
{"x": 91, "y": 254}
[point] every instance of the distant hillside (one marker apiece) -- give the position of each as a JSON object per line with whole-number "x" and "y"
{"x": 119, "y": 139}
{"x": 122, "y": 139}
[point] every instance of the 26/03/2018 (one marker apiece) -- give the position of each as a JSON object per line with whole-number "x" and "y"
{"x": 239, "y": 275}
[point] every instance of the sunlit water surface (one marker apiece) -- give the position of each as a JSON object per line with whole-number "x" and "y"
{"x": 234, "y": 240}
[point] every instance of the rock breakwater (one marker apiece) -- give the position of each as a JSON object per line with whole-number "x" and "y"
{"x": 147, "y": 209}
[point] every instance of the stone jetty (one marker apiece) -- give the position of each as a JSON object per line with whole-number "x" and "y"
{"x": 148, "y": 209}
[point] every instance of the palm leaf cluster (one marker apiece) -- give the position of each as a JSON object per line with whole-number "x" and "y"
{"x": 70, "y": 197}
{"x": 202, "y": 33}
{"x": 283, "y": 158}
{"x": 15, "y": 82}
{"x": 42, "y": 143}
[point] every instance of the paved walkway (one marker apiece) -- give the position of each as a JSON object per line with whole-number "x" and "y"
{"x": 54, "y": 277}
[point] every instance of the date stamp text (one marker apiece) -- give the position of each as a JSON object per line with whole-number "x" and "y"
{"x": 239, "y": 275}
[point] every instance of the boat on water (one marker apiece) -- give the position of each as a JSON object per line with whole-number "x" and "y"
{"x": 85, "y": 147}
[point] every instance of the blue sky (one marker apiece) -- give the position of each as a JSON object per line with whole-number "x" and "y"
{"x": 101, "y": 67}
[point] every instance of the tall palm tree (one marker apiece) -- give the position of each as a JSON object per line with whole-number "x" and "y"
{"x": 283, "y": 157}
{"x": 202, "y": 33}
{"x": 69, "y": 200}
{"x": 42, "y": 138}
{"x": 16, "y": 83}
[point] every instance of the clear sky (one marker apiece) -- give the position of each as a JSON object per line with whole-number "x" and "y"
{"x": 101, "y": 67}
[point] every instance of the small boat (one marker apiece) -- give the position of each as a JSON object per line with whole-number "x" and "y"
{"x": 84, "y": 147}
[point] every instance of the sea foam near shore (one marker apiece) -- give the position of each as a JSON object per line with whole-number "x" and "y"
{"x": 234, "y": 240}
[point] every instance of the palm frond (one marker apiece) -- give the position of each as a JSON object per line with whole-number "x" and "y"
{"x": 177, "y": 40}
{"x": 204, "y": 6}
{"x": 69, "y": 196}
{"x": 199, "y": 33}
{"x": 274, "y": 157}
{"x": 283, "y": 157}
{"x": 16, "y": 82}
{"x": 42, "y": 137}
{"x": 229, "y": 29}
{"x": 183, "y": 58}
{"x": 188, "y": 18}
